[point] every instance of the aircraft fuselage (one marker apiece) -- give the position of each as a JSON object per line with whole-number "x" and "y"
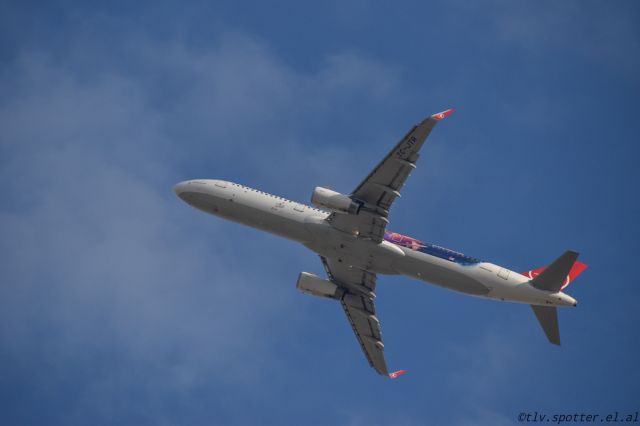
{"x": 395, "y": 255}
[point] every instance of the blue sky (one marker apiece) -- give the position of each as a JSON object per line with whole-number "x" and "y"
{"x": 119, "y": 304}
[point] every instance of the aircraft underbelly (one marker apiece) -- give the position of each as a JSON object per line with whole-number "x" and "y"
{"x": 349, "y": 249}
{"x": 277, "y": 223}
{"x": 440, "y": 272}
{"x": 251, "y": 212}
{"x": 316, "y": 234}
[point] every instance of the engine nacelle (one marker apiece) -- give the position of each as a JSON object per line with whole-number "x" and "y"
{"x": 334, "y": 201}
{"x": 316, "y": 286}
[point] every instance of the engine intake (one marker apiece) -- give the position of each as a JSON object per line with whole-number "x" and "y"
{"x": 312, "y": 284}
{"x": 334, "y": 201}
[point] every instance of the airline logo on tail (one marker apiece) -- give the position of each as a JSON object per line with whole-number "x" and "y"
{"x": 577, "y": 268}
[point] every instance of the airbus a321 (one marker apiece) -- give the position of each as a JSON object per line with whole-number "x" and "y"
{"x": 349, "y": 233}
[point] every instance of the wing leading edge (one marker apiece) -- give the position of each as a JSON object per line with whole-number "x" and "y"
{"x": 382, "y": 186}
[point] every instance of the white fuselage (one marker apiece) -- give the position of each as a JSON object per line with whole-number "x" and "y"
{"x": 308, "y": 226}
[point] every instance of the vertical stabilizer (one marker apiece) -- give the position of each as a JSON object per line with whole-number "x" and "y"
{"x": 548, "y": 319}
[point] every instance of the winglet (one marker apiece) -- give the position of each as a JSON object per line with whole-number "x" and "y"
{"x": 439, "y": 116}
{"x": 396, "y": 374}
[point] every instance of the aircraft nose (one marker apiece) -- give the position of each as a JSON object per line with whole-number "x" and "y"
{"x": 180, "y": 188}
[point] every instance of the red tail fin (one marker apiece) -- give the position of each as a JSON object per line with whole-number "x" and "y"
{"x": 577, "y": 268}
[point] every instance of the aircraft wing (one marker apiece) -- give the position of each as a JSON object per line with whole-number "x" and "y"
{"x": 357, "y": 302}
{"x": 379, "y": 190}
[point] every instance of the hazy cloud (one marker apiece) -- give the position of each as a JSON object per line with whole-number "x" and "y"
{"x": 119, "y": 303}
{"x": 103, "y": 268}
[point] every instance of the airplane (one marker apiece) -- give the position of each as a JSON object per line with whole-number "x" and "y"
{"x": 349, "y": 234}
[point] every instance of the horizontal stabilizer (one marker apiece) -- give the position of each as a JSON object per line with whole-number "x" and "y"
{"x": 577, "y": 269}
{"x": 554, "y": 276}
{"x": 548, "y": 318}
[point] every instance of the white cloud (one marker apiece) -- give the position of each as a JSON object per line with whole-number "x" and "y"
{"x": 99, "y": 255}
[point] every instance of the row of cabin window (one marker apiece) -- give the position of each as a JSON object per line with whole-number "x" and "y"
{"x": 272, "y": 196}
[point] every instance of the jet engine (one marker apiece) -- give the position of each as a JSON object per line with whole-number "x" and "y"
{"x": 334, "y": 201}
{"x": 312, "y": 284}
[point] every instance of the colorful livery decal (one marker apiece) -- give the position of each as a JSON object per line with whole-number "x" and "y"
{"x": 403, "y": 240}
{"x": 431, "y": 249}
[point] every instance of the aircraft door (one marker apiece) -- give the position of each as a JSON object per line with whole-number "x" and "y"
{"x": 504, "y": 273}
